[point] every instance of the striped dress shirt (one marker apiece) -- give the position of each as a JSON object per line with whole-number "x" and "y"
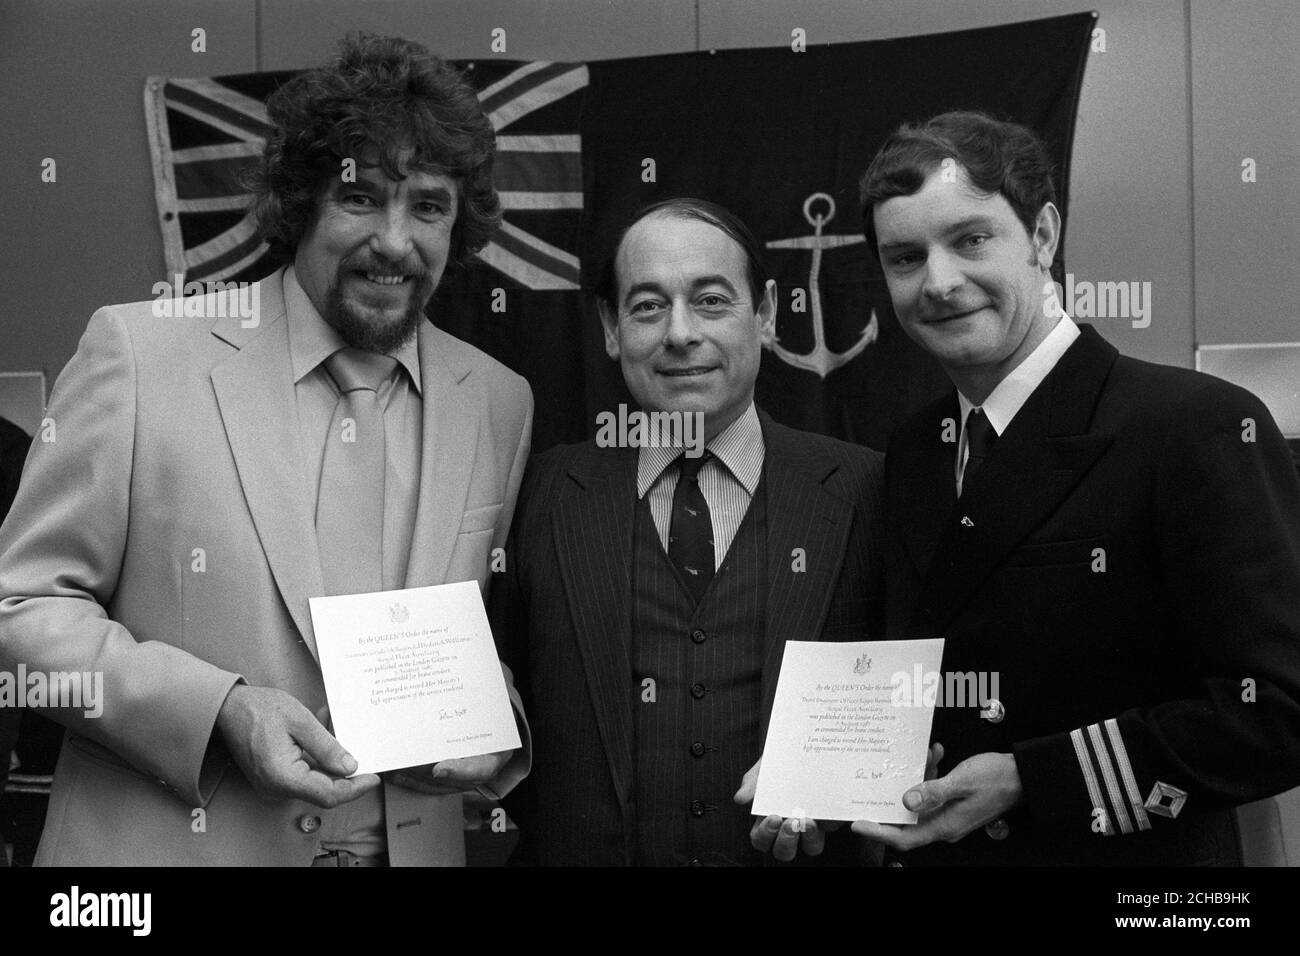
{"x": 728, "y": 481}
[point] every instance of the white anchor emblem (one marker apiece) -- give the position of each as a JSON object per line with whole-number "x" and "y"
{"x": 821, "y": 359}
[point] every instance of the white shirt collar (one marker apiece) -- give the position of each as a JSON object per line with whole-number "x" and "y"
{"x": 739, "y": 447}
{"x": 1013, "y": 391}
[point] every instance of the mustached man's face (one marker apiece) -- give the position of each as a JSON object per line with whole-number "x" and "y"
{"x": 374, "y": 255}
{"x": 966, "y": 278}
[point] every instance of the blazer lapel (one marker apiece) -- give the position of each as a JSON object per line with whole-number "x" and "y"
{"x": 450, "y": 438}
{"x": 592, "y": 524}
{"x": 801, "y": 514}
{"x": 1036, "y": 463}
{"x": 254, "y": 390}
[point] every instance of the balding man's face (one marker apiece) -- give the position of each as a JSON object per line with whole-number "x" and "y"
{"x": 686, "y": 333}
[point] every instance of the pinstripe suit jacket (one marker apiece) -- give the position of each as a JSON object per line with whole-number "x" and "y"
{"x": 1126, "y": 560}
{"x": 562, "y": 613}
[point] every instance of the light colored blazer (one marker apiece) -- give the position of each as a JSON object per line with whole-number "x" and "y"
{"x": 162, "y": 536}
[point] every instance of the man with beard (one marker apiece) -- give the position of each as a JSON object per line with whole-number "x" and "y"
{"x": 209, "y": 477}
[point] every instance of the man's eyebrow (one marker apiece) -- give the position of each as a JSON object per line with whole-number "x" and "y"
{"x": 714, "y": 280}
{"x": 373, "y": 186}
{"x": 696, "y": 284}
{"x": 640, "y": 287}
{"x": 433, "y": 192}
{"x": 961, "y": 225}
{"x": 970, "y": 222}
{"x": 361, "y": 182}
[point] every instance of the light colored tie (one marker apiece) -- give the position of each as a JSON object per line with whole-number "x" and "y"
{"x": 350, "y": 506}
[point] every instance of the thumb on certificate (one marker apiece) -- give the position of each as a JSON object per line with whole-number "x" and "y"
{"x": 321, "y": 748}
{"x": 932, "y": 761}
{"x": 748, "y": 784}
{"x": 928, "y": 796}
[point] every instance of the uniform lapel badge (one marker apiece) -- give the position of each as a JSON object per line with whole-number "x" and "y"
{"x": 1156, "y": 800}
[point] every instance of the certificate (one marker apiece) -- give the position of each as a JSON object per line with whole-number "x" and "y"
{"x": 847, "y": 739}
{"x": 412, "y": 676}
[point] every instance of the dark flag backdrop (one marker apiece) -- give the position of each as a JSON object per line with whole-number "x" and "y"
{"x": 779, "y": 137}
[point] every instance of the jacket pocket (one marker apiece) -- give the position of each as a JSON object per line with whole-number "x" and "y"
{"x": 480, "y": 519}
{"x": 1049, "y": 553}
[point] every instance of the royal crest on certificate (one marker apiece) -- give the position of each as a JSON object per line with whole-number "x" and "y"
{"x": 847, "y": 737}
{"x": 412, "y": 676}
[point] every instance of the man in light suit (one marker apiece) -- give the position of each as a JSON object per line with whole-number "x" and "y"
{"x": 199, "y": 491}
{"x": 650, "y": 591}
{"x": 1117, "y": 542}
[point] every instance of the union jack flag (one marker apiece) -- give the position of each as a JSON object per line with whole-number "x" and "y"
{"x": 778, "y": 138}
{"x": 205, "y": 133}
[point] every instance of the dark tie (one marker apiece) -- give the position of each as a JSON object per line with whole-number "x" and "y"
{"x": 690, "y": 535}
{"x": 350, "y": 506}
{"x": 980, "y": 437}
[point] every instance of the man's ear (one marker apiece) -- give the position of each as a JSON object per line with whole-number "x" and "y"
{"x": 767, "y": 315}
{"x": 608, "y": 322}
{"x": 1047, "y": 235}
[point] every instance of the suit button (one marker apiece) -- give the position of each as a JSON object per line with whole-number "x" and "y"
{"x": 994, "y": 712}
{"x": 999, "y": 829}
{"x": 697, "y": 691}
{"x": 697, "y": 808}
{"x": 308, "y": 823}
{"x": 697, "y": 749}
{"x": 698, "y": 636}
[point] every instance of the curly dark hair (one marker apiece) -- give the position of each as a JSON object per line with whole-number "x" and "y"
{"x": 999, "y": 157}
{"x": 383, "y": 94}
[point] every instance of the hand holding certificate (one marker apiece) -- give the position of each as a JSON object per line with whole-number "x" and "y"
{"x": 841, "y": 744}
{"x": 413, "y": 676}
{"x": 973, "y": 794}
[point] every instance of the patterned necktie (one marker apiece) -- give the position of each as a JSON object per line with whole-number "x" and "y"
{"x": 690, "y": 535}
{"x": 350, "y": 506}
{"x": 980, "y": 437}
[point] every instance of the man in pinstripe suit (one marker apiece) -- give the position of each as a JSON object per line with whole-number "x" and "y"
{"x": 649, "y": 593}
